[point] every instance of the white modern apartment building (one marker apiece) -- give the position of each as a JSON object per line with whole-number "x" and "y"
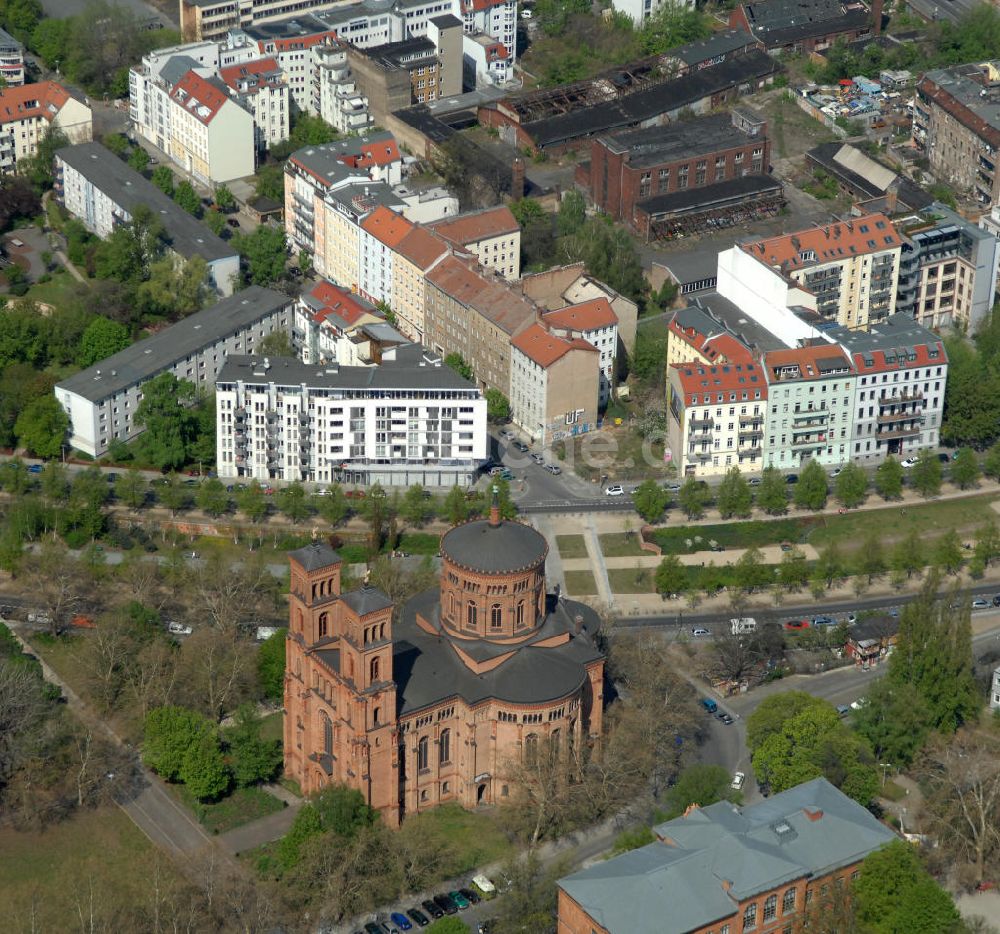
{"x": 336, "y": 98}
{"x": 260, "y": 87}
{"x": 95, "y": 186}
{"x": 811, "y": 400}
{"x": 409, "y": 420}
{"x": 102, "y": 400}
{"x": 11, "y": 60}
{"x": 640, "y": 11}
{"x": 29, "y": 111}
{"x": 595, "y": 322}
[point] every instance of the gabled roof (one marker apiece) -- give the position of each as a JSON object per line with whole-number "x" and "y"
{"x": 421, "y": 247}
{"x": 386, "y": 226}
{"x": 587, "y": 316}
{"x": 203, "y": 97}
{"x": 259, "y": 72}
{"x": 326, "y": 300}
{"x": 44, "y": 99}
{"x": 545, "y": 348}
{"x": 709, "y": 382}
{"x": 477, "y": 225}
{"x": 463, "y": 281}
{"x": 815, "y": 362}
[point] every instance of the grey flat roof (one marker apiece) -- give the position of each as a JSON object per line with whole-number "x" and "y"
{"x": 719, "y": 43}
{"x": 706, "y": 862}
{"x": 656, "y": 144}
{"x": 304, "y": 24}
{"x": 287, "y": 371}
{"x": 6, "y": 39}
{"x": 897, "y": 332}
{"x": 728, "y": 316}
{"x": 177, "y": 66}
{"x": 185, "y": 234}
{"x": 151, "y": 356}
{"x": 691, "y": 265}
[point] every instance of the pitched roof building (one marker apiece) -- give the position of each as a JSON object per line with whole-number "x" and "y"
{"x": 26, "y": 114}
{"x": 807, "y": 25}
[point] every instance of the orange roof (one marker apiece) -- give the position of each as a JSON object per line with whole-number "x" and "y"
{"x": 545, "y": 348}
{"x": 194, "y": 92}
{"x": 258, "y": 68}
{"x": 813, "y": 362}
{"x": 712, "y": 346}
{"x": 870, "y": 233}
{"x": 462, "y": 280}
{"x": 587, "y": 316}
{"x": 713, "y": 384}
{"x": 478, "y": 225}
{"x": 421, "y": 247}
{"x": 300, "y": 42}
{"x": 387, "y": 226}
{"x": 341, "y": 302}
{"x": 44, "y": 99}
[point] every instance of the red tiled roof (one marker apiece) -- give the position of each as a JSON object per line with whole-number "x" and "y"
{"x": 306, "y": 42}
{"x": 586, "y": 316}
{"x": 808, "y": 360}
{"x": 387, "y": 226}
{"x": 44, "y": 99}
{"x": 545, "y": 348}
{"x": 258, "y": 68}
{"x": 706, "y": 381}
{"x": 421, "y": 247}
{"x": 724, "y": 346}
{"x": 870, "y": 233}
{"x": 340, "y": 302}
{"x": 462, "y": 280}
{"x": 479, "y": 225}
{"x": 194, "y": 91}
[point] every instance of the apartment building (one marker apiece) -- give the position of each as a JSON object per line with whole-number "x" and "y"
{"x": 492, "y": 235}
{"x": 715, "y": 417}
{"x": 260, "y": 87}
{"x": 595, "y": 323}
{"x": 409, "y": 420}
{"x": 956, "y": 124}
{"x": 811, "y": 399}
{"x": 102, "y": 400}
{"x": 629, "y": 167}
{"x": 640, "y": 11}
{"x": 695, "y": 336}
{"x": 475, "y": 314}
{"x": 846, "y": 271}
{"x": 417, "y": 253}
{"x": 554, "y": 383}
{"x": 948, "y": 269}
{"x": 11, "y": 60}
{"x": 380, "y": 235}
{"x": 485, "y": 62}
{"x": 326, "y": 318}
{"x": 902, "y": 371}
{"x": 336, "y": 98}
{"x": 99, "y": 189}
{"x": 29, "y": 111}
{"x": 729, "y": 869}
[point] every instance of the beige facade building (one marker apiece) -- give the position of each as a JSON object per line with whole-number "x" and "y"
{"x": 416, "y": 255}
{"x": 29, "y": 111}
{"x": 492, "y": 235}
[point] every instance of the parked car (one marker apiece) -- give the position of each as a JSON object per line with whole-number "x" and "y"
{"x": 232, "y": 221}
{"x": 191, "y": 554}
{"x": 496, "y": 471}
{"x": 836, "y": 472}
{"x": 859, "y": 703}
{"x": 401, "y": 921}
{"x": 843, "y": 710}
{"x": 484, "y": 884}
{"x": 701, "y": 631}
{"x": 461, "y": 902}
{"x": 525, "y": 14}
{"x": 372, "y": 928}
{"x": 981, "y": 604}
{"x": 471, "y": 896}
{"x": 673, "y": 488}
{"x": 753, "y": 481}
{"x": 710, "y": 705}
{"x": 738, "y": 779}
{"x": 793, "y": 624}
{"x": 35, "y": 468}
{"x": 615, "y": 490}
{"x": 178, "y": 629}
{"x": 520, "y": 446}
{"x": 418, "y": 917}
{"x": 996, "y": 600}
{"x": 944, "y": 458}
{"x": 909, "y": 462}
{"x": 506, "y": 434}
{"x": 727, "y": 719}
{"x": 324, "y": 492}
{"x": 553, "y": 469}
{"x": 538, "y": 458}
{"x": 446, "y": 904}
{"x": 792, "y": 478}
{"x": 431, "y": 907}
{"x": 506, "y": 474}
{"x": 824, "y": 621}
{"x": 387, "y": 928}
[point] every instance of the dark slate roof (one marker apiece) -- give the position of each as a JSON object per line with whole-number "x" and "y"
{"x": 680, "y": 140}
{"x": 719, "y": 43}
{"x": 427, "y": 670}
{"x": 711, "y": 196}
{"x": 315, "y": 555}
{"x": 480, "y": 546}
{"x": 778, "y": 22}
{"x": 911, "y": 196}
{"x": 652, "y": 102}
{"x": 366, "y": 600}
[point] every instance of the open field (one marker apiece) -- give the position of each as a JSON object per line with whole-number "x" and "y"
{"x": 620, "y": 545}
{"x": 59, "y": 291}
{"x": 580, "y": 583}
{"x": 571, "y": 546}
{"x": 631, "y": 580}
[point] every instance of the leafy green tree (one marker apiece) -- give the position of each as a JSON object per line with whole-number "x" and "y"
{"x": 224, "y": 198}
{"x": 871, "y": 558}
{"x": 991, "y": 463}
{"x": 117, "y": 143}
{"x": 455, "y": 508}
{"x": 851, "y": 486}
{"x": 131, "y": 488}
{"x": 204, "y": 769}
{"x": 926, "y": 474}
{"x": 889, "y": 479}
{"x": 908, "y": 555}
{"x": 458, "y": 364}
{"x": 972, "y": 395}
{"x": 252, "y": 502}
{"x": 934, "y": 654}
{"x": 163, "y": 178}
{"x": 50, "y": 40}
{"x": 793, "y": 572}
{"x": 948, "y": 552}
{"x": 416, "y": 508}
{"x": 175, "y": 288}
{"x": 54, "y": 483}
{"x": 102, "y": 339}
{"x": 773, "y": 712}
{"x": 572, "y": 213}
{"x": 38, "y": 168}
{"x": 165, "y": 415}
{"x": 131, "y": 249}
{"x": 895, "y": 893}
{"x": 271, "y": 665}
{"x": 138, "y": 159}
{"x": 41, "y": 428}
{"x": 671, "y": 576}
{"x": 772, "y": 494}
{"x": 276, "y": 344}
{"x": 830, "y": 564}
{"x": 187, "y": 198}
{"x": 254, "y": 759}
{"x": 215, "y": 221}
{"x": 650, "y": 499}
{"x": 750, "y": 571}
{"x": 896, "y": 721}
{"x": 269, "y": 182}
{"x": 264, "y": 252}
{"x": 965, "y": 469}
{"x": 497, "y": 405}
{"x": 734, "y": 497}
{"x": 292, "y": 502}
{"x": 988, "y": 543}
{"x": 648, "y": 360}
{"x": 212, "y": 498}
{"x": 168, "y": 734}
{"x": 333, "y": 507}
{"x": 699, "y": 784}
{"x": 813, "y": 487}
{"x": 694, "y": 497}
{"x": 173, "y": 495}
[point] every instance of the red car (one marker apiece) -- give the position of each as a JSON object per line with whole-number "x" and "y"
{"x": 797, "y": 624}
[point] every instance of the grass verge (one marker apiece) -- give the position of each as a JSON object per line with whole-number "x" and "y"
{"x": 241, "y": 807}
{"x": 620, "y": 545}
{"x": 475, "y": 839}
{"x": 580, "y": 583}
{"x": 630, "y": 580}
{"x": 571, "y": 546}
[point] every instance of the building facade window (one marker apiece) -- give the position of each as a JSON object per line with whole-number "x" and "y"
{"x": 788, "y": 902}
{"x": 422, "y": 754}
{"x": 750, "y": 917}
{"x": 496, "y": 616}
{"x": 470, "y": 615}
{"x": 444, "y": 746}
{"x": 770, "y": 907}
{"x": 323, "y": 625}
{"x": 530, "y": 748}
{"x": 374, "y": 668}
{"x": 327, "y": 734}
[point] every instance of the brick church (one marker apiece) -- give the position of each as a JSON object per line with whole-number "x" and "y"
{"x": 432, "y": 707}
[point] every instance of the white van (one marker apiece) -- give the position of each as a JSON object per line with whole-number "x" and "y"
{"x": 742, "y": 624}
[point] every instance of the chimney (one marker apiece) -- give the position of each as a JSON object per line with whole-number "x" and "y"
{"x": 495, "y": 508}
{"x": 517, "y": 179}
{"x": 577, "y": 623}
{"x": 891, "y": 201}
{"x": 813, "y": 814}
{"x": 877, "y": 17}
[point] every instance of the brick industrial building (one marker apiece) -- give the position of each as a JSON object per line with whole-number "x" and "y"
{"x": 807, "y": 25}
{"x": 434, "y": 704}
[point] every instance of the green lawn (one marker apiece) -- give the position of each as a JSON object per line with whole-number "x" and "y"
{"x": 571, "y": 546}
{"x": 58, "y": 291}
{"x": 618, "y": 545}
{"x": 420, "y": 543}
{"x": 241, "y": 807}
{"x": 631, "y": 580}
{"x": 580, "y": 583}
{"x": 735, "y": 534}
{"x": 477, "y": 838}
{"x": 272, "y": 726}
{"x": 100, "y": 852}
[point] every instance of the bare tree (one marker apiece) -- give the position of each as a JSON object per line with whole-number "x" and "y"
{"x": 735, "y": 655}
{"x": 143, "y": 582}
{"x": 107, "y": 656}
{"x": 962, "y": 775}
{"x": 22, "y": 707}
{"x": 151, "y": 677}
{"x": 55, "y": 582}
{"x": 231, "y": 594}
{"x": 217, "y": 671}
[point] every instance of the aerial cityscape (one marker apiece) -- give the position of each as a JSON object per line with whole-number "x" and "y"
{"x": 500, "y": 466}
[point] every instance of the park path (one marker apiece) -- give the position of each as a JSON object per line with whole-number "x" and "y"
{"x": 604, "y": 592}
{"x": 554, "y": 569}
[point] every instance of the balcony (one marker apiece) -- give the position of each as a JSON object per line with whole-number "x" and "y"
{"x": 810, "y": 415}
{"x": 893, "y": 417}
{"x": 909, "y": 395}
{"x": 754, "y": 451}
{"x": 701, "y": 423}
{"x": 817, "y": 442}
{"x": 897, "y": 433}
{"x": 749, "y": 433}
